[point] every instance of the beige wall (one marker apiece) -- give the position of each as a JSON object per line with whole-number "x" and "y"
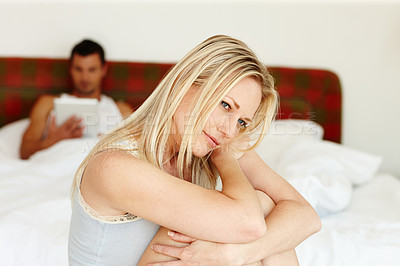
{"x": 358, "y": 40}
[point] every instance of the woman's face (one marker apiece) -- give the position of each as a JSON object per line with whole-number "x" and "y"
{"x": 234, "y": 112}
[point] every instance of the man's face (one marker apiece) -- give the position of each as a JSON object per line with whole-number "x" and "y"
{"x": 87, "y": 73}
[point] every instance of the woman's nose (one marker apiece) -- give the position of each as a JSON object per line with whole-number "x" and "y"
{"x": 228, "y": 127}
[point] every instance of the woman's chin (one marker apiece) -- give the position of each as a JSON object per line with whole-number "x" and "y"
{"x": 201, "y": 152}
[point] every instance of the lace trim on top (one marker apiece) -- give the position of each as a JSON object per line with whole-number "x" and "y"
{"x": 110, "y": 219}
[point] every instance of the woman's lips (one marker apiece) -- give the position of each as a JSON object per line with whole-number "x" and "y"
{"x": 213, "y": 141}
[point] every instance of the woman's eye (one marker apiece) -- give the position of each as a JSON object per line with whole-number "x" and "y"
{"x": 225, "y": 105}
{"x": 242, "y": 123}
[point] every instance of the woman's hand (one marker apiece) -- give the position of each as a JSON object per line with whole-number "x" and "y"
{"x": 231, "y": 150}
{"x": 222, "y": 155}
{"x": 198, "y": 252}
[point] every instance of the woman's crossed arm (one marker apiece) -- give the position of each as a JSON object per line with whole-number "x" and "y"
{"x": 290, "y": 221}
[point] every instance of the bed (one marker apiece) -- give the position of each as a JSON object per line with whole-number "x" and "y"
{"x": 358, "y": 205}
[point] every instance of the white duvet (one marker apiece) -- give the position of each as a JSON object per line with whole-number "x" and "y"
{"x": 366, "y": 233}
{"x": 361, "y": 221}
{"x": 35, "y": 207}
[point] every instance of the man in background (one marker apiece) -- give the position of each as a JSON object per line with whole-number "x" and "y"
{"x": 87, "y": 69}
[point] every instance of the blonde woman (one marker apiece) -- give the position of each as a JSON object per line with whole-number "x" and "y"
{"x": 159, "y": 169}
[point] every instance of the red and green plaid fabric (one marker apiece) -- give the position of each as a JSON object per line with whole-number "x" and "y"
{"x": 310, "y": 94}
{"x": 304, "y": 93}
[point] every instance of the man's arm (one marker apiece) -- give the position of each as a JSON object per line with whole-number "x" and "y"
{"x": 33, "y": 139}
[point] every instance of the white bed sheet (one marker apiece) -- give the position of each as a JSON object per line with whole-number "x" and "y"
{"x": 35, "y": 205}
{"x": 362, "y": 230}
{"x": 366, "y": 233}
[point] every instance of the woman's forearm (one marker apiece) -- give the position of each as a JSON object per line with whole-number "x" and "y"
{"x": 149, "y": 256}
{"x": 288, "y": 224}
{"x": 237, "y": 187}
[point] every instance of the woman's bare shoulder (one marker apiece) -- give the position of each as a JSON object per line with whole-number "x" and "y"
{"x": 115, "y": 167}
{"x": 106, "y": 173}
{"x": 112, "y": 161}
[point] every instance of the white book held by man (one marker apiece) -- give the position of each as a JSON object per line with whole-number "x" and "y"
{"x": 87, "y": 109}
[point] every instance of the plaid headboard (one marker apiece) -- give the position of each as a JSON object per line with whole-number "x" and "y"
{"x": 304, "y": 93}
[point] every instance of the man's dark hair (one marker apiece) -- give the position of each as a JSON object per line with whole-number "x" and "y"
{"x": 88, "y": 47}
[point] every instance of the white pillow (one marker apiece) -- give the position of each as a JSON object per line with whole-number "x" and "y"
{"x": 296, "y": 128}
{"x": 325, "y": 172}
{"x": 283, "y": 134}
{"x": 11, "y": 137}
{"x": 358, "y": 167}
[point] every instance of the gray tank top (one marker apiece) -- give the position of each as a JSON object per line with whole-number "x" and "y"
{"x": 106, "y": 240}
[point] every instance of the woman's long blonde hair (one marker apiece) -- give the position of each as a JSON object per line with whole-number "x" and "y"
{"x": 214, "y": 67}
